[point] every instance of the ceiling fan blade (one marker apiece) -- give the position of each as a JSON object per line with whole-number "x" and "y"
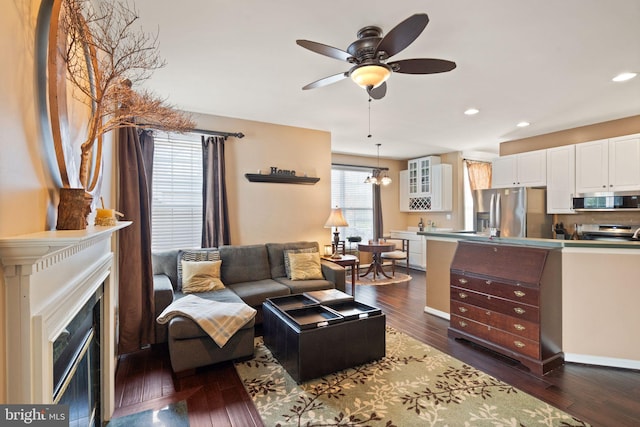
{"x": 323, "y": 49}
{"x": 422, "y": 66}
{"x": 326, "y": 81}
{"x": 403, "y": 34}
{"x": 378, "y": 92}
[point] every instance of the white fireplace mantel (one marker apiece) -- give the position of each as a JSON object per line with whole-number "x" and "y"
{"x": 49, "y": 276}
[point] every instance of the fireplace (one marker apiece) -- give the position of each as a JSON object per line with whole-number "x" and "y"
{"x": 76, "y": 365}
{"x": 61, "y": 308}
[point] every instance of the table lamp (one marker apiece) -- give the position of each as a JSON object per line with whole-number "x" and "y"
{"x": 336, "y": 220}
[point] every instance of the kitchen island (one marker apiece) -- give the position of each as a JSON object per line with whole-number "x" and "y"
{"x": 600, "y": 292}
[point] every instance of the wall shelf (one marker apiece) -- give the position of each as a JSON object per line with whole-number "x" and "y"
{"x": 281, "y": 179}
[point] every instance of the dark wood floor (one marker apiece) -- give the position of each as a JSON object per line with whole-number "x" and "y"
{"x": 215, "y": 396}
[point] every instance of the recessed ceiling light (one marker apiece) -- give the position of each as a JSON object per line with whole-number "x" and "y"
{"x": 523, "y": 124}
{"x": 471, "y": 111}
{"x": 623, "y": 77}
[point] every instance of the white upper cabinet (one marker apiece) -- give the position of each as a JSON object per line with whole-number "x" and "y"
{"x": 426, "y": 186}
{"x": 420, "y": 175}
{"x": 624, "y": 163}
{"x": 520, "y": 170}
{"x": 608, "y": 165}
{"x": 561, "y": 179}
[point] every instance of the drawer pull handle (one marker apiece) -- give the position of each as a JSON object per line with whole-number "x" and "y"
{"x": 463, "y": 309}
{"x": 488, "y": 313}
{"x": 519, "y": 310}
{"x": 462, "y": 295}
{"x": 519, "y": 327}
{"x": 488, "y": 282}
{"x": 519, "y": 344}
{"x": 463, "y": 281}
{"x": 463, "y": 324}
{"x": 519, "y": 293}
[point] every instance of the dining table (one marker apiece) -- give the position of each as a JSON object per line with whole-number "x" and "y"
{"x": 376, "y": 250}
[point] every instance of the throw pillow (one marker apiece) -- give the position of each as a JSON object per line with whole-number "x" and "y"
{"x": 287, "y": 264}
{"x": 210, "y": 254}
{"x": 201, "y": 276}
{"x": 305, "y": 266}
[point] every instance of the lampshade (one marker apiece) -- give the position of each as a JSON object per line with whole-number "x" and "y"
{"x": 336, "y": 219}
{"x": 373, "y": 75}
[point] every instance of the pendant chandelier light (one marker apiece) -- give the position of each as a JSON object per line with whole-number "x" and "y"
{"x": 378, "y": 176}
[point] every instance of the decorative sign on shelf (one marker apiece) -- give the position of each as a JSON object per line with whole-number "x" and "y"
{"x": 283, "y": 176}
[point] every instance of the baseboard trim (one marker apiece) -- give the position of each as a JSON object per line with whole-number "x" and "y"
{"x": 438, "y": 313}
{"x": 611, "y": 362}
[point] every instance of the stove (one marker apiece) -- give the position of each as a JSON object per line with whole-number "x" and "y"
{"x": 610, "y": 232}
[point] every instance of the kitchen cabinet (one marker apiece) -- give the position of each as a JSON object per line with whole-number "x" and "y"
{"x": 417, "y": 248}
{"x": 561, "y": 179}
{"x": 608, "y": 165}
{"x": 440, "y": 195}
{"x": 420, "y": 175}
{"x": 520, "y": 170}
{"x": 509, "y": 299}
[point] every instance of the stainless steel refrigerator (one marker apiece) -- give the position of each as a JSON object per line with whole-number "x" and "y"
{"x": 512, "y": 212}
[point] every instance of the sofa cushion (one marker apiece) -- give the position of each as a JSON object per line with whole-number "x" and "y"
{"x": 305, "y": 266}
{"x": 205, "y": 254}
{"x": 256, "y": 292}
{"x": 244, "y": 263}
{"x": 201, "y": 276}
{"x": 300, "y": 286}
{"x": 184, "y": 328}
{"x": 276, "y": 255}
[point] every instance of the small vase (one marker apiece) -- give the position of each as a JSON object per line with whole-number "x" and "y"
{"x": 73, "y": 209}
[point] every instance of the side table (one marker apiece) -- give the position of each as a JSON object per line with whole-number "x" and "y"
{"x": 348, "y": 261}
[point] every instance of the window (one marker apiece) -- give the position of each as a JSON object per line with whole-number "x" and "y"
{"x": 176, "y": 208}
{"x": 349, "y": 192}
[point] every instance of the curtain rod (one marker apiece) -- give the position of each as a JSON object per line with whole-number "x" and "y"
{"x": 380, "y": 168}
{"x": 238, "y": 135}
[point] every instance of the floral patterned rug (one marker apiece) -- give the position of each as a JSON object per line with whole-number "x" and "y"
{"x": 414, "y": 385}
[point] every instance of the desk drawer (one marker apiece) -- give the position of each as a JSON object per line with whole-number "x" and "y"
{"x": 522, "y": 294}
{"x": 503, "y": 339}
{"x": 493, "y": 303}
{"x": 506, "y": 323}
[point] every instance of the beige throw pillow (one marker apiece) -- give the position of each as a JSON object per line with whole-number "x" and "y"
{"x": 305, "y": 266}
{"x": 287, "y": 264}
{"x": 201, "y": 276}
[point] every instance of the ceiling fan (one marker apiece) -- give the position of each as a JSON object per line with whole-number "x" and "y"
{"x": 371, "y": 51}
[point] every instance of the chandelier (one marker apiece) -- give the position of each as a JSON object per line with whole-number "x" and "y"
{"x": 378, "y": 176}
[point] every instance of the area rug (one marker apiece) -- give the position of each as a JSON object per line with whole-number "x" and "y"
{"x": 172, "y": 415}
{"x": 414, "y": 385}
{"x": 381, "y": 280}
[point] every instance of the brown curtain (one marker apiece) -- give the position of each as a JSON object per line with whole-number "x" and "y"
{"x": 479, "y": 174}
{"x": 377, "y": 213}
{"x": 215, "y": 215}
{"x": 136, "y": 304}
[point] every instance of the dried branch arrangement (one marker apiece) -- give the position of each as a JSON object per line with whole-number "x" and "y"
{"x": 107, "y": 57}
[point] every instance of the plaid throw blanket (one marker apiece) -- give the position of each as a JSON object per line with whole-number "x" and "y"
{"x": 218, "y": 319}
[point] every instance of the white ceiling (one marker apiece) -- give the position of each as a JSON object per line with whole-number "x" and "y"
{"x": 547, "y": 62}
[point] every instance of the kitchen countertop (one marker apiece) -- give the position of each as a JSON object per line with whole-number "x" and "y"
{"x": 529, "y": 241}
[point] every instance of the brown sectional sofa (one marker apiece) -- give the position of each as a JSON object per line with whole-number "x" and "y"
{"x": 251, "y": 274}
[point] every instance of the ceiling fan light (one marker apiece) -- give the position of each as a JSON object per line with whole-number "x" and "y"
{"x": 370, "y": 75}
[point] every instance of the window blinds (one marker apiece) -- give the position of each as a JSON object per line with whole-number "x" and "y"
{"x": 176, "y": 212}
{"x": 349, "y": 192}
